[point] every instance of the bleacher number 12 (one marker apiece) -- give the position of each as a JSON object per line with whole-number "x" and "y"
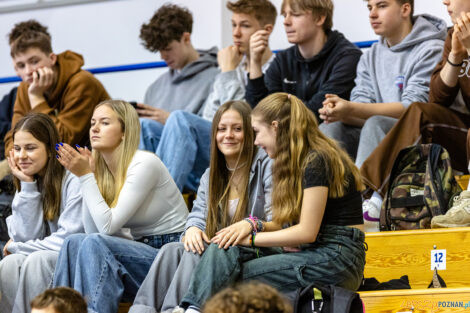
{"x": 438, "y": 259}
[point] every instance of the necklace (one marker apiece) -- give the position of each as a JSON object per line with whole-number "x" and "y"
{"x": 234, "y": 169}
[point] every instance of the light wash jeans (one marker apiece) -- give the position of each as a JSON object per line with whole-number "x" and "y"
{"x": 106, "y": 269}
{"x": 336, "y": 257}
{"x": 150, "y": 134}
{"x": 23, "y": 277}
{"x": 185, "y": 148}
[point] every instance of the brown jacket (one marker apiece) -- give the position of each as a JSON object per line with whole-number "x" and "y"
{"x": 442, "y": 94}
{"x": 70, "y": 105}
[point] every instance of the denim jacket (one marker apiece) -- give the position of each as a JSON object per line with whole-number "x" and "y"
{"x": 260, "y": 185}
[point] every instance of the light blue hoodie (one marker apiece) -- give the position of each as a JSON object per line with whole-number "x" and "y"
{"x": 401, "y": 73}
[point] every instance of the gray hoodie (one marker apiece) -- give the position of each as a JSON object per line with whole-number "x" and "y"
{"x": 26, "y": 225}
{"x": 185, "y": 89}
{"x": 401, "y": 73}
{"x": 260, "y": 185}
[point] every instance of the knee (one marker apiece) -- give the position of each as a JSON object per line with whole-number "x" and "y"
{"x": 40, "y": 260}
{"x": 93, "y": 242}
{"x": 177, "y": 247}
{"x": 177, "y": 119}
{"x": 11, "y": 263}
{"x": 73, "y": 241}
{"x": 332, "y": 130}
{"x": 373, "y": 124}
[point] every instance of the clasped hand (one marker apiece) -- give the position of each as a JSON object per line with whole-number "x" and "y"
{"x": 334, "y": 109}
{"x": 80, "y": 162}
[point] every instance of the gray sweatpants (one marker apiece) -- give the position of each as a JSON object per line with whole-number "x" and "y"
{"x": 360, "y": 142}
{"x": 24, "y": 277}
{"x": 167, "y": 280}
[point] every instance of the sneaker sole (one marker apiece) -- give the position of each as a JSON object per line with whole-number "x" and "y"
{"x": 369, "y": 218}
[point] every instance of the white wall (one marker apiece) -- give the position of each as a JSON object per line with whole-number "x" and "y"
{"x": 107, "y": 33}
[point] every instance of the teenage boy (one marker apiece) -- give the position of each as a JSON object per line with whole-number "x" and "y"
{"x": 321, "y": 61}
{"x": 185, "y": 142}
{"x": 187, "y": 83}
{"x": 440, "y": 121}
{"x": 51, "y": 84}
{"x": 391, "y": 75}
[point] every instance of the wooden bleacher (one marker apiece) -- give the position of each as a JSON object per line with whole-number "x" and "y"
{"x": 394, "y": 254}
{"x": 417, "y": 301}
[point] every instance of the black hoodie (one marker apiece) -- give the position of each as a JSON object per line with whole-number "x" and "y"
{"x": 332, "y": 70}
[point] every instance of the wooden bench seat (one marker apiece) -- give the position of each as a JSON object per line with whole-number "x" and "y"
{"x": 419, "y": 300}
{"x": 396, "y": 253}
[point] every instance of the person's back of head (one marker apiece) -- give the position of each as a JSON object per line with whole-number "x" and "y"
{"x": 263, "y": 10}
{"x": 59, "y": 300}
{"x": 29, "y": 34}
{"x": 248, "y": 297}
{"x": 319, "y": 9}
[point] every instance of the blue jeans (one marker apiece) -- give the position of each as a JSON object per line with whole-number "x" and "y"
{"x": 150, "y": 134}
{"x": 105, "y": 268}
{"x": 185, "y": 148}
{"x": 336, "y": 257}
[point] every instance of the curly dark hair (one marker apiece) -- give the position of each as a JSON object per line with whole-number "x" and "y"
{"x": 252, "y": 297}
{"x": 167, "y": 24}
{"x": 29, "y": 34}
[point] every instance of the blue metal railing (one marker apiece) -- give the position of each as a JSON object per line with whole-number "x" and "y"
{"x": 143, "y": 66}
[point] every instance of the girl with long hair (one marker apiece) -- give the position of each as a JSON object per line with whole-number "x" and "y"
{"x": 45, "y": 210}
{"x": 132, "y": 207}
{"x": 316, "y": 232}
{"x": 235, "y": 186}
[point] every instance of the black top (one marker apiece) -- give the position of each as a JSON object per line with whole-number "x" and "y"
{"x": 343, "y": 211}
{"x": 332, "y": 70}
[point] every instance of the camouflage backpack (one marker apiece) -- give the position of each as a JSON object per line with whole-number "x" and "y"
{"x": 421, "y": 186}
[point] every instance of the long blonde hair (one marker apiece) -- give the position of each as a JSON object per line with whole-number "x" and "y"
{"x": 111, "y": 186}
{"x": 220, "y": 176}
{"x": 299, "y": 141}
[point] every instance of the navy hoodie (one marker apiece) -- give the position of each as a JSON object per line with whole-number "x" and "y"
{"x": 332, "y": 70}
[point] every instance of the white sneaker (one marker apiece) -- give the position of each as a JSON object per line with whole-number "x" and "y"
{"x": 371, "y": 215}
{"x": 176, "y": 309}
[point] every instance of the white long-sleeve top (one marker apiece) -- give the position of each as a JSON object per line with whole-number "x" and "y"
{"x": 149, "y": 203}
{"x": 26, "y": 225}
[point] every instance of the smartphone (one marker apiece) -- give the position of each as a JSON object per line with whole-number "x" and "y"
{"x": 134, "y": 104}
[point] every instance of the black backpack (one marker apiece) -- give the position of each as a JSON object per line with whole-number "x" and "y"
{"x": 326, "y": 299}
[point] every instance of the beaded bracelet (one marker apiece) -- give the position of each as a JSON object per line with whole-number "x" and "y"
{"x": 259, "y": 225}
{"x": 252, "y": 224}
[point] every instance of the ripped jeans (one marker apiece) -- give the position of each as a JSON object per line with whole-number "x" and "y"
{"x": 336, "y": 257}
